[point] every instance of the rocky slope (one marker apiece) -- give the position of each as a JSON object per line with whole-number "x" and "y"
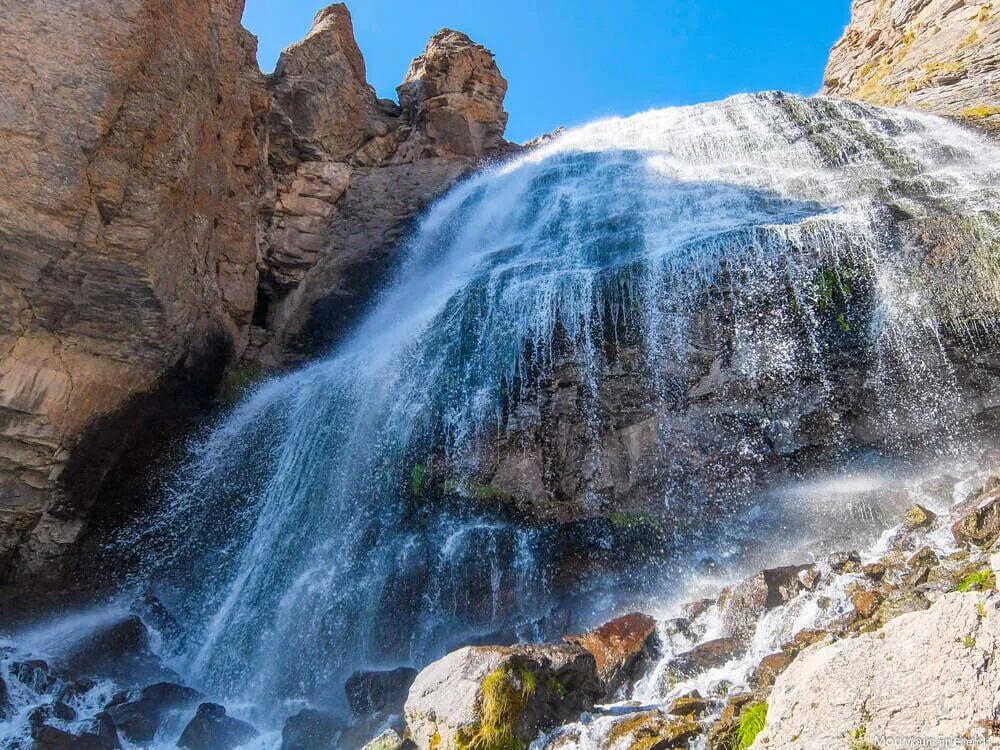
{"x": 936, "y": 55}
{"x": 164, "y": 206}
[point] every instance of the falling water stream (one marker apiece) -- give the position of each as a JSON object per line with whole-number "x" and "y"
{"x": 290, "y": 547}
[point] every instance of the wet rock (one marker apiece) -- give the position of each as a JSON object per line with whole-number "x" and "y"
{"x": 652, "y": 730}
{"x": 151, "y": 610}
{"x": 865, "y": 602}
{"x": 74, "y": 690}
{"x": 51, "y": 738}
{"x": 981, "y": 526}
{"x": 621, "y": 649}
{"x": 104, "y": 729}
{"x": 390, "y": 739}
{"x": 722, "y": 733}
{"x": 212, "y": 729}
{"x": 844, "y": 562}
{"x": 371, "y": 691}
{"x": 806, "y": 637}
{"x": 515, "y": 691}
{"x": 140, "y": 717}
{"x": 34, "y": 673}
{"x": 63, "y": 711}
{"x": 923, "y": 674}
{"x": 310, "y": 729}
{"x": 704, "y": 656}
{"x": 691, "y": 704}
{"x": 4, "y": 700}
{"x": 742, "y": 605}
{"x": 918, "y": 517}
{"x": 769, "y": 668}
{"x": 874, "y": 571}
{"x": 694, "y": 610}
{"x": 119, "y": 650}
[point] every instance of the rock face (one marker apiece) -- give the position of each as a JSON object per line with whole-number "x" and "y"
{"x": 165, "y": 206}
{"x": 622, "y": 648}
{"x": 937, "y": 55}
{"x": 351, "y": 171}
{"x": 489, "y": 695}
{"x": 925, "y": 674}
{"x": 131, "y": 159}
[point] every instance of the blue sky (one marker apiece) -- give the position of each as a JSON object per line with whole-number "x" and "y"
{"x": 569, "y": 62}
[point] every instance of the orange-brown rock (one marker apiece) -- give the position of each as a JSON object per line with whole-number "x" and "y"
{"x": 621, "y": 648}
{"x": 452, "y": 97}
{"x": 937, "y": 55}
{"x": 351, "y": 171}
{"x": 131, "y": 158}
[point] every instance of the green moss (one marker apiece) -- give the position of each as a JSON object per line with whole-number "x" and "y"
{"x": 981, "y": 610}
{"x": 503, "y": 694}
{"x": 980, "y": 112}
{"x": 237, "y": 381}
{"x": 968, "y": 641}
{"x": 418, "y": 479}
{"x": 633, "y": 520}
{"x": 482, "y": 493}
{"x": 977, "y": 581}
{"x": 752, "y": 721}
{"x": 857, "y": 739}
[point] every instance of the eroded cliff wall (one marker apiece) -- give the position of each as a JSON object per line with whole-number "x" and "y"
{"x": 131, "y": 156}
{"x": 163, "y": 204}
{"x": 942, "y": 56}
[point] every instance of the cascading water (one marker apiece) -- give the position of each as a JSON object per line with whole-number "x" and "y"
{"x": 294, "y": 546}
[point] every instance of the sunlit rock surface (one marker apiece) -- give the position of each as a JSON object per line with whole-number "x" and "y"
{"x": 940, "y": 56}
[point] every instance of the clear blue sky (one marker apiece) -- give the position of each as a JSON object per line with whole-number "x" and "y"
{"x": 569, "y": 61}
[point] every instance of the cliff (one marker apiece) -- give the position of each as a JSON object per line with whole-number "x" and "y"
{"x": 165, "y": 205}
{"x": 132, "y": 153}
{"x": 940, "y": 56}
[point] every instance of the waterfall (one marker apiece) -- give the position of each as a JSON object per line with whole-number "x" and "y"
{"x": 295, "y": 543}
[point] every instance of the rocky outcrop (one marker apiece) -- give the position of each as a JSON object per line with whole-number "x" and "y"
{"x": 131, "y": 157}
{"x": 925, "y": 674}
{"x": 622, "y": 649}
{"x": 938, "y": 55}
{"x": 492, "y": 696}
{"x": 165, "y": 207}
{"x": 351, "y": 171}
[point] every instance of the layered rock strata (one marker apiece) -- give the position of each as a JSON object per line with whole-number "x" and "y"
{"x": 941, "y": 56}
{"x": 165, "y": 206}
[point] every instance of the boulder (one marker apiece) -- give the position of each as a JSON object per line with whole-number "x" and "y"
{"x": 691, "y": 704}
{"x": 652, "y": 730}
{"x": 310, "y": 729}
{"x": 918, "y": 517}
{"x": 372, "y": 691}
{"x": 980, "y": 526}
{"x": 701, "y": 658}
{"x": 34, "y": 673}
{"x": 120, "y": 650}
{"x": 770, "y": 667}
{"x": 924, "y": 674}
{"x": 139, "y": 716}
{"x": 478, "y": 694}
{"x": 621, "y": 649}
{"x": 742, "y": 605}
{"x": 212, "y": 729}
